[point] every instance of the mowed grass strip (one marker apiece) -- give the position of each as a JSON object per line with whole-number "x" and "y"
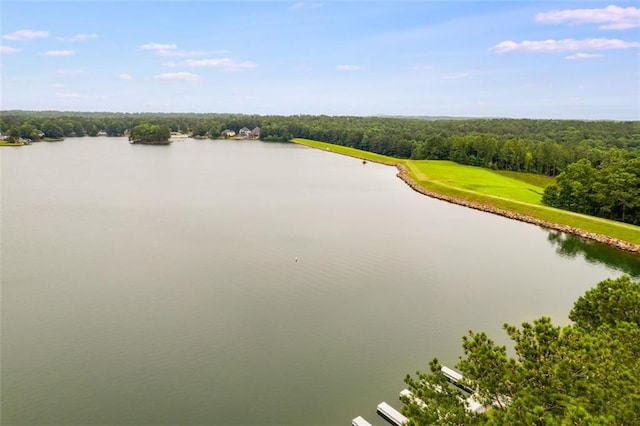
{"x": 521, "y": 193}
{"x": 351, "y": 152}
{"x": 476, "y": 179}
{"x": 537, "y": 180}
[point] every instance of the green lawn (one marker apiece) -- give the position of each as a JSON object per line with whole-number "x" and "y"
{"x": 517, "y": 192}
{"x": 476, "y": 179}
{"x": 351, "y": 152}
{"x": 534, "y": 179}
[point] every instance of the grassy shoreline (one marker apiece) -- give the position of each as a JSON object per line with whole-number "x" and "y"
{"x": 4, "y": 143}
{"x": 520, "y": 207}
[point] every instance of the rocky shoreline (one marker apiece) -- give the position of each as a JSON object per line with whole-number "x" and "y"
{"x": 614, "y": 242}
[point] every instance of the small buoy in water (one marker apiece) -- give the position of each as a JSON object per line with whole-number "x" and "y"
{"x": 296, "y": 258}
{"x": 364, "y": 161}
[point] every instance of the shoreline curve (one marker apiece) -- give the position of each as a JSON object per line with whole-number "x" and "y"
{"x": 604, "y": 239}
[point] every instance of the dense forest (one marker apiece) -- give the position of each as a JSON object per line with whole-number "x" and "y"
{"x": 610, "y": 190}
{"x": 595, "y": 161}
{"x": 150, "y": 133}
{"x": 586, "y": 373}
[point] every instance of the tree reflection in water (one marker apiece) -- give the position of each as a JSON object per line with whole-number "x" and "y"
{"x": 572, "y": 246}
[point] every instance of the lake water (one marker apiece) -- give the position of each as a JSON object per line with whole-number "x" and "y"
{"x": 159, "y": 284}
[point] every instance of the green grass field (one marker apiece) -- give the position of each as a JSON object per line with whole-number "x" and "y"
{"x": 351, "y": 152}
{"x": 517, "y": 192}
{"x": 537, "y": 180}
{"x": 475, "y": 179}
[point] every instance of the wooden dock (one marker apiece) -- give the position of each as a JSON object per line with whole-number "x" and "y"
{"x": 470, "y": 403}
{"x": 360, "y": 421}
{"x": 455, "y": 378}
{"x": 396, "y": 418}
{"x": 407, "y": 393}
{"x": 474, "y": 406}
{"x": 391, "y": 414}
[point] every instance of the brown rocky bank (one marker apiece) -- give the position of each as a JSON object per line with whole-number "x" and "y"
{"x": 604, "y": 239}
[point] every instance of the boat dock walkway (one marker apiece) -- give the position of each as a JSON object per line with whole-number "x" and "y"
{"x": 455, "y": 378}
{"x": 360, "y": 421}
{"x": 391, "y": 414}
{"x": 396, "y": 418}
{"x": 470, "y": 403}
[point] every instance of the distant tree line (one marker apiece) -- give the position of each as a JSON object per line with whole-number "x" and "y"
{"x": 535, "y": 146}
{"x": 595, "y": 161}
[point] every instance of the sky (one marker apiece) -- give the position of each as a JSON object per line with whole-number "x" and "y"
{"x": 484, "y": 58}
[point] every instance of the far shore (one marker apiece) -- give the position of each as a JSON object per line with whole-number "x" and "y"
{"x": 403, "y": 173}
{"x": 4, "y": 143}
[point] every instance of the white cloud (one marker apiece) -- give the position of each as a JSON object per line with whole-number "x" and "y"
{"x": 305, "y": 5}
{"x": 79, "y": 37}
{"x": 566, "y": 45}
{"x": 25, "y": 35}
{"x": 583, "y": 56}
{"x": 161, "y": 104}
{"x": 178, "y": 53}
{"x": 182, "y": 76}
{"x": 158, "y": 46}
{"x": 455, "y": 76}
{"x": 8, "y": 49}
{"x": 70, "y": 71}
{"x": 68, "y": 95}
{"x": 349, "y": 68}
{"x": 75, "y": 95}
{"x": 171, "y": 50}
{"x": 223, "y": 63}
{"x": 56, "y": 86}
{"x": 187, "y": 53}
{"x": 422, "y": 67}
{"x": 611, "y": 17}
{"x": 125, "y": 76}
{"x": 170, "y": 64}
{"x": 59, "y": 53}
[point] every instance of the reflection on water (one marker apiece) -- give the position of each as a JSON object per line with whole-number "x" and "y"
{"x": 158, "y": 285}
{"x": 572, "y": 246}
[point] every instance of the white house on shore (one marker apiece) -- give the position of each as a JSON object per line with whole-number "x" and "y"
{"x": 246, "y": 133}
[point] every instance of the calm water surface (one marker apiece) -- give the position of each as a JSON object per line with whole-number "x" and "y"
{"x": 159, "y": 284}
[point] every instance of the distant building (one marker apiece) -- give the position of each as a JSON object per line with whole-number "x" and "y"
{"x": 101, "y": 133}
{"x": 244, "y": 132}
{"x": 255, "y": 133}
{"x": 227, "y": 133}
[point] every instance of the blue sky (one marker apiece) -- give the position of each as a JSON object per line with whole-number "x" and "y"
{"x": 575, "y": 59}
